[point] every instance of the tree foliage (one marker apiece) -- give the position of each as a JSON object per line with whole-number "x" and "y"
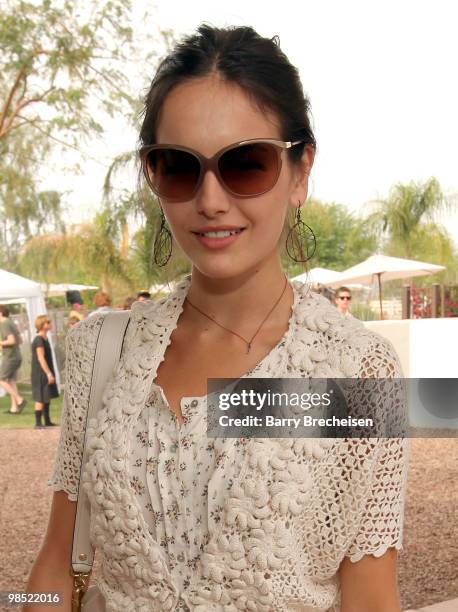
{"x": 87, "y": 254}
{"x": 65, "y": 66}
{"x": 56, "y": 59}
{"x": 342, "y": 239}
{"x": 399, "y": 218}
{"x": 407, "y": 225}
{"x": 139, "y": 209}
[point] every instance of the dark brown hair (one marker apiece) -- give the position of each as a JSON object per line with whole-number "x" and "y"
{"x": 241, "y": 56}
{"x": 4, "y": 310}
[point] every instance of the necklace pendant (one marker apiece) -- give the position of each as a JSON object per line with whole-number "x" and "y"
{"x": 248, "y": 348}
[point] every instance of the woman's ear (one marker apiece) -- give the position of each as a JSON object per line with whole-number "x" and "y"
{"x": 302, "y": 171}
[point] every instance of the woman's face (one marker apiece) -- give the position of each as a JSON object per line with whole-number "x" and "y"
{"x": 207, "y": 115}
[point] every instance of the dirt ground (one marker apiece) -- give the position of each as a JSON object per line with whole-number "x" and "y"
{"x": 427, "y": 565}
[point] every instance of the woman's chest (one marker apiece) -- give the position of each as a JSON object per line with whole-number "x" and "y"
{"x": 188, "y": 365}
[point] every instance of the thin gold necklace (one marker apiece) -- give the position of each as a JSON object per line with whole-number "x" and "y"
{"x": 247, "y": 342}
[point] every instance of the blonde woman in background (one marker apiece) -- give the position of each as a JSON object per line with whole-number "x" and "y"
{"x": 44, "y": 387}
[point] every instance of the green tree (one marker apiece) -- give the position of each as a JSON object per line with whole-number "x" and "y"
{"x": 431, "y": 242}
{"x": 87, "y": 253}
{"x": 139, "y": 209}
{"x": 64, "y": 67}
{"x": 57, "y": 60}
{"x": 24, "y": 209}
{"x": 398, "y": 219}
{"x": 342, "y": 239}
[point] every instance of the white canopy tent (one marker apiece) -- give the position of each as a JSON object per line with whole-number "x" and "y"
{"x": 17, "y": 289}
{"x": 61, "y": 288}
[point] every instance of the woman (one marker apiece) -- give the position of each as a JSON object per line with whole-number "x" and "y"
{"x": 182, "y": 521}
{"x": 44, "y": 387}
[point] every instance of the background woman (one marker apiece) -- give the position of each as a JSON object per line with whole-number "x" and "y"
{"x": 11, "y": 360}
{"x": 182, "y": 521}
{"x": 44, "y": 387}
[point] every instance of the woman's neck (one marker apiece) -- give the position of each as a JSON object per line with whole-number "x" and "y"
{"x": 242, "y": 301}
{"x": 43, "y": 334}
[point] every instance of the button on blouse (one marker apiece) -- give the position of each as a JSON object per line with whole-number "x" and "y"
{"x": 180, "y": 476}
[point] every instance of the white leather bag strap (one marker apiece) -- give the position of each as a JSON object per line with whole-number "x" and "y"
{"x": 107, "y": 354}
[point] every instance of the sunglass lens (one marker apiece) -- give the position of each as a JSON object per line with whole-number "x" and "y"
{"x": 172, "y": 173}
{"x": 251, "y": 169}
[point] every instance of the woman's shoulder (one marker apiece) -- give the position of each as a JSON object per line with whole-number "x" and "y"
{"x": 82, "y": 338}
{"x": 318, "y": 314}
{"x": 348, "y": 344}
{"x": 8, "y": 327}
{"x": 163, "y": 310}
{"x": 38, "y": 341}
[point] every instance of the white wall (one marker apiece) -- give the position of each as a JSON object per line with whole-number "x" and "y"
{"x": 427, "y": 348}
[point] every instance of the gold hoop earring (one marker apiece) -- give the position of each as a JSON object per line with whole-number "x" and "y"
{"x": 300, "y": 241}
{"x": 162, "y": 249}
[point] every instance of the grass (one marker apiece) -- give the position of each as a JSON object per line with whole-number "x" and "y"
{"x": 27, "y": 416}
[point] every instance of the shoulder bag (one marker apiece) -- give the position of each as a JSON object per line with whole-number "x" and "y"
{"x": 107, "y": 354}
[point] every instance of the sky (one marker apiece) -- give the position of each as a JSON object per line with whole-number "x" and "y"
{"x": 381, "y": 78}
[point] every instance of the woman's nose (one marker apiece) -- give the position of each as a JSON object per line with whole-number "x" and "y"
{"x": 211, "y": 197}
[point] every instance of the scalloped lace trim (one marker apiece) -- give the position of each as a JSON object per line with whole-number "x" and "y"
{"x": 377, "y": 552}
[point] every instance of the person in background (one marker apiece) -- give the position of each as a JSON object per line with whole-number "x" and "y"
{"x": 143, "y": 296}
{"x": 74, "y": 298}
{"x": 11, "y": 360}
{"x": 342, "y": 301}
{"x": 127, "y": 304}
{"x": 72, "y": 321}
{"x": 103, "y": 302}
{"x": 44, "y": 387}
{"x": 76, "y": 312}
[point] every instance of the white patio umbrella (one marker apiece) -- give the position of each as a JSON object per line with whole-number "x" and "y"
{"x": 318, "y": 276}
{"x": 325, "y": 277}
{"x": 383, "y": 267}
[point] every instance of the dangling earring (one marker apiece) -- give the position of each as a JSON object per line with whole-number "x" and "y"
{"x": 300, "y": 241}
{"x": 162, "y": 249}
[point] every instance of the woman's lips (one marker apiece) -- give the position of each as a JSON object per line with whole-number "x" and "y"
{"x": 219, "y": 242}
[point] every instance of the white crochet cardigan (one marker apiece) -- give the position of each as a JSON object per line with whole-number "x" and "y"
{"x": 298, "y": 506}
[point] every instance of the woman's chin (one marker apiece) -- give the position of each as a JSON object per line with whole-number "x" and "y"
{"x": 228, "y": 269}
{"x": 219, "y": 270}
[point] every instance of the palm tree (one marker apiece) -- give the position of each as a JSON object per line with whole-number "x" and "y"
{"x": 408, "y": 207}
{"x": 139, "y": 209}
{"x": 86, "y": 253}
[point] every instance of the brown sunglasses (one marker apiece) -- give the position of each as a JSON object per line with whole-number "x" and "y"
{"x": 245, "y": 169}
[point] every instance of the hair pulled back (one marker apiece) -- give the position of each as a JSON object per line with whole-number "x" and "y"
{"x": 241, "y": 56}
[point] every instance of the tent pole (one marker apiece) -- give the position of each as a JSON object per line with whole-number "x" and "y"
{"x": 379, "y": 274}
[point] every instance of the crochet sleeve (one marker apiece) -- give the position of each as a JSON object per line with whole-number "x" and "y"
{"x": 80, "y": 348}
{"x": 381, "y": 523}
